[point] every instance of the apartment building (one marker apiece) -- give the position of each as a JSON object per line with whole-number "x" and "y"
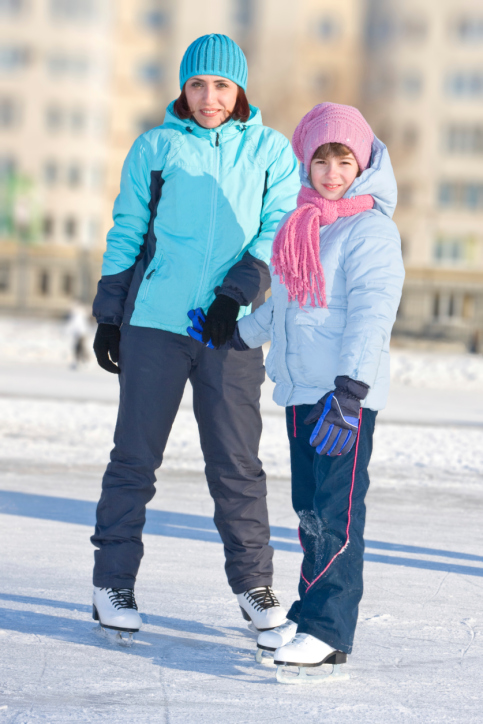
{"x": 423, "y": 94}
{"x": 81, "y": 79}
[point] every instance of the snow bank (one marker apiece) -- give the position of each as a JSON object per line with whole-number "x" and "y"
{"x": 29, "y": 341}
{"x": 80, "y": 434}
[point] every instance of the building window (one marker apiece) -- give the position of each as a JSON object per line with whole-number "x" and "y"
{"x": 151, "y": 72}
{"x": 468, "y": 311}
{"x": 411, "y": 84}
{"x": 44, "y": 283}
{"x": 244, "y": 13}
{"x": 54, "y": 119}
{"x": 67, "y": 285}
{"x": 50, "y": 173}
{"x": 454, "y": 250}
{"x": 97, "y": 176}
{"x": 409, "y": 137}
{"x": 468, "y": 29}
{"x": 73, "y": 9}
{"x": 446, "y": 307}
{"x": 62, "y": 64}
{"x": 14, "y": 57}
{"x": 70, "y": 228}
{"x": 405, "y": 194}
{"x": 78, "y": 120}
{"x": 12, "y": 7}
{"x": 74, "y": 175}
{"x": 460, "y": 195}
{"x": 462, "y": 139}
{"x": 4, "y": 276}
{"x": 324, "y": 83}
{"x": 465, "y": 84}
{"x": 48, "y": 226}
{"x": 328, "y": 29}
{"x": 9, "y": 113}
{"x": 413, "y": 29}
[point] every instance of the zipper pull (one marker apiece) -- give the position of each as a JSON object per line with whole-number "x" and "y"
{"x": 150, "y": 274}
{"x": 217, "y": 142}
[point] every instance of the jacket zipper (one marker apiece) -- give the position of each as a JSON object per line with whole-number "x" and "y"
{"x": 214, "y": 204}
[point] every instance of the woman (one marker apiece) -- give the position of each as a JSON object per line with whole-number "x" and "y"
{"x": 201, "y": 197}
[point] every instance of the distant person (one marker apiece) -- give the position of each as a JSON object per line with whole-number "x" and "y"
{"x": 201, "y": 197}
{"x": 78, "y": 329}
{"x": 337, "y": 276}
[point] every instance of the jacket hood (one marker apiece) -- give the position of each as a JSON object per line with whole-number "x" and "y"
{"x": 378, "y": 180}
{"x": 171, "y": 120}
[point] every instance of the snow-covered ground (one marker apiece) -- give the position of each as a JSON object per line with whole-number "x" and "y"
{"x": 418, "y": 649}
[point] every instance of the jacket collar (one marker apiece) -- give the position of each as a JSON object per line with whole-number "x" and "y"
{"x": 230, "y": 128}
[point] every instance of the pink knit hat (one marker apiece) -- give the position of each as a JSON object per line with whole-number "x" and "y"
{"x": 333, "y": 123}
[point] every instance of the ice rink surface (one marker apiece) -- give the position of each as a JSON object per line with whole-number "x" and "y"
{"x": 418, "y": 649}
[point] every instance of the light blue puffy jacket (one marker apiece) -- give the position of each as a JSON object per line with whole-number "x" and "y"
{"x": 364, "y": 274}
{"x": 197, "y": 211}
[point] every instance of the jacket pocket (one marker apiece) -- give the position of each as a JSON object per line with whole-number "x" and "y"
{"x": 152, "y": 271}
{"x": 331, "y": 317}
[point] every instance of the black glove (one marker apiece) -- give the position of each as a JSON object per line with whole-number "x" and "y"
{"x": 106, "y": 344}
{"x": 337, "y": 417}
{"x": 220, "y": 320}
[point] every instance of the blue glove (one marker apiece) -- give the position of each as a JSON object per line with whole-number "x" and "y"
{"x": 198, "y": 320}
{"x": 337, "y": 417}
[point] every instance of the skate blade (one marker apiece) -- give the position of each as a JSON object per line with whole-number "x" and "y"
{"x": 265, "y": 658}
{"x": 120, "y": 638}
{"x": 303, "y": 678}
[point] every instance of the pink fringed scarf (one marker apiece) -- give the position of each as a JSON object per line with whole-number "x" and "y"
{"x": 296, "y": 257}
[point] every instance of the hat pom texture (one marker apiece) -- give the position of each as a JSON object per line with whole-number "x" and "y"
{"x": 333, "y": 123}
{"x": 214, "y": 55}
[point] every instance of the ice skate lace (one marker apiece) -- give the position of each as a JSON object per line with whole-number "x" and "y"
{"x": 122, "y": 598}
{"x": 262, "y": 598}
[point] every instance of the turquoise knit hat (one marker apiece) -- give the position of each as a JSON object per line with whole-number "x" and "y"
{"x": 214, "y": 55}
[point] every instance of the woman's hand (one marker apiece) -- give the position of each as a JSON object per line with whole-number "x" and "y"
{"x": 220, "y": 321}
{"x": 106, "y": 344}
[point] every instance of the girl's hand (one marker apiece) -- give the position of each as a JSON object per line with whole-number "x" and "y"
{"x": 337, "y": 415}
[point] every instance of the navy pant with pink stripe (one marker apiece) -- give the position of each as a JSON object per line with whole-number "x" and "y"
{"x": 328, "y": 496}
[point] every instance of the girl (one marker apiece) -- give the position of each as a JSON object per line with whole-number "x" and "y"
{"x": 337, "y": 275}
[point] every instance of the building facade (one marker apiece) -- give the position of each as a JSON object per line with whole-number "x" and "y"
{"x": 81, "y": 79}
{"x": 423, "y": 94}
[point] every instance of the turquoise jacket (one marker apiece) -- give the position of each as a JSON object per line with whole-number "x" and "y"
{"x": 364, "y": 274}
{"x": 197, "y": 212}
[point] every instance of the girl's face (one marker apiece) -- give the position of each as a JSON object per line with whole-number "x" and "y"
{"x": 332, "y": 176}
{"x": 211, "y": 99}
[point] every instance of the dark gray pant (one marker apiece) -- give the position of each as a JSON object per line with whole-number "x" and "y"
{"x": 155, "y": 366}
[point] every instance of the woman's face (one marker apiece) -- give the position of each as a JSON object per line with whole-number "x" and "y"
{"x": 211, "y": 99}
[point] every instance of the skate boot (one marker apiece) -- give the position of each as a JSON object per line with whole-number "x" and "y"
{"x": 117, "y": 613}
{"x": 260, "y": 606}
{"x": 305, "y": 651}
{"x": 269, "y": 641}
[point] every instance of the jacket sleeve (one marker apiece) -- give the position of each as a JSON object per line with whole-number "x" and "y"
{"x": 125, "y": 240}
{"x": 250, "y": 277}
{"x": 255, "y": 329}
{"x": 374, "y": 278}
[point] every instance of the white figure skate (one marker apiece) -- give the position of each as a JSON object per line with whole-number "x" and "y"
{"x": 305, "y": 652}
{"x": 117, "y": 613}
{"x": 269, "y": 641}
{"x": 261, "y": 608}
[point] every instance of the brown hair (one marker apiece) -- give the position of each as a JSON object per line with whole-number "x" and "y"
{"x": 328, "y": 150}
{"x": 241, "y": 111}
